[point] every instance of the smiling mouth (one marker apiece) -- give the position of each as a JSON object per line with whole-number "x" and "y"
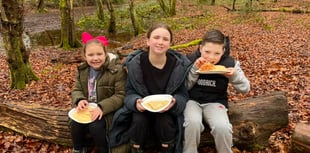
{"x": 96, "y": 63}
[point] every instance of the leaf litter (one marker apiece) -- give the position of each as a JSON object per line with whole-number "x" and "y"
{"x": 275, "y": 59}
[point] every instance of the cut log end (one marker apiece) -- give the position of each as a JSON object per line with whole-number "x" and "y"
{"x": 301, "y": 138}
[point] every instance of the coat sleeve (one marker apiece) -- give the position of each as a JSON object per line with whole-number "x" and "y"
{"x": 192, "y": 77}
{"x": 77, "y": 92}
{"x": 239, "y": 81}
{"x": 181, "y": 96}
{"x": 131, "y": 96}
{"x": 181, "y": 93}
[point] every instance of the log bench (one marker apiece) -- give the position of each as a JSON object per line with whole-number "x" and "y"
{"x": 253, "y": 120}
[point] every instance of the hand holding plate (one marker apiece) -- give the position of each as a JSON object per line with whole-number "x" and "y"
{"x": 157, "y": 102}
{"x": 173, "y": 101}
{"x": 230, "y": 72}
{"x": 139, "y": 106}
{"x": 96, "y": 113}
{"x": 83, "y": 116}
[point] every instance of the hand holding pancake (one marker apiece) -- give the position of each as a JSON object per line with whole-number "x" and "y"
{"x": 199, "y": 62}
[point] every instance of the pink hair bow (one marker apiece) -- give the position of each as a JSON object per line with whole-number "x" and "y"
{"x": 86, "y": 37}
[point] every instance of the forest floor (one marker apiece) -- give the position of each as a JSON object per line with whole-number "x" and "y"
{"x": 273, "y": 47}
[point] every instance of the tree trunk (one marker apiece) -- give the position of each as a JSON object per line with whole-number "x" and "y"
{"x": 163, "y": 7}
{"x": 12, "y": 20}
{"x": 112, "y": 25}
{"x": 212, "y": 2}
{"x": 135, "y": 25}
{"x": 169, "y": 10}
{"x": 234, "y": 5}
{"x": 172, "y": 9}
{"x": 254, "y": 120}
{"x": 100, "y": 12}
{"x": 68, "y": 38}
{"x": 301, "y": 138}
{"x": 40, "y": 7}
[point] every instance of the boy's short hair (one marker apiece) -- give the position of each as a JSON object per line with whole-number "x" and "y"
{"x": 213, "y": 36}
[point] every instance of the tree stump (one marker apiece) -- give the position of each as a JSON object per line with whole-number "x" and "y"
{"x": 254, "y": 120}
{"x": 301, "y": 138}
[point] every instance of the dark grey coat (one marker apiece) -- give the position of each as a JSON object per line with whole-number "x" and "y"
{"x": 135, "y": 88}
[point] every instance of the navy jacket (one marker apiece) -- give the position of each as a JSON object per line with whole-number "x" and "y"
{"x": 135, "y": 88}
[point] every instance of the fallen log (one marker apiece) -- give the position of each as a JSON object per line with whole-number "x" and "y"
{"x": 301, "y": 138}
{"x": 282, "y": 9}
{"x": 34, "y": 120}
{"x": 254, "y": 120}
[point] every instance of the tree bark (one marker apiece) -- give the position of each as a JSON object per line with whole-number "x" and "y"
{"x": 36, "y": 121}
{"x": 133, "y": 17}
{"x": 68, "y": 36}
{"x": 254, "y": 120}
{"x": 172, "y": 7}
{"x": 100, "y": 12}
{"x": 234, "y": 5}
{"x": 40, "y": 7}
{"x": 112, "y": 24}
{"x": 288, "y": 10}
{"x": 212, "y": 2}
{"x": 169, "y": 10}
{"x": 301, "y": 138}
{"x": 12, "y": 20}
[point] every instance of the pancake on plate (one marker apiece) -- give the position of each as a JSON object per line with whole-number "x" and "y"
{"x": 156, "y": 105}
{"x": 83, "y": 116}
{"x": 210, "y": 67}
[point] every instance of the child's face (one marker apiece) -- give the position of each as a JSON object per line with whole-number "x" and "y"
{"x": 95, "y": 55}
{"x": 212, "y": 52}
{"x": 159, "y": 41}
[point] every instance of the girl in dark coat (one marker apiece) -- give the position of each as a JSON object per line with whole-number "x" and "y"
{"x": 100, "y": 80}
{"x": 158, "y": 70}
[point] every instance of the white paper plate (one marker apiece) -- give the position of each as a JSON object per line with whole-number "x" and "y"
{"x": 156, "y": 98}
{"x": 72, "y": 111}
{"x": 211, "y": 72}
{"x": 220, "y": 70}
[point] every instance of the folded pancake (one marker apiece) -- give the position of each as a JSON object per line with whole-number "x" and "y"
{"x": 210, "y": 67}
{"x": 83, "y": 116}
{"x": 156, "y": 105}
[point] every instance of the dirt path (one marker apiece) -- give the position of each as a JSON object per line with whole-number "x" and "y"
{"x": 35, "y": 22}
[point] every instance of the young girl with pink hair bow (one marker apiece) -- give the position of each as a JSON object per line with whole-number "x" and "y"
{"x": 100, "y": 80}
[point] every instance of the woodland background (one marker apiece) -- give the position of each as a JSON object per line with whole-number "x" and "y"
{"x": 273, "y": 46}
